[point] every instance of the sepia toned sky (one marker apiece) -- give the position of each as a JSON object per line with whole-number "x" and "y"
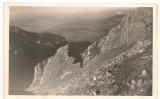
{"x": 37, "y": 19}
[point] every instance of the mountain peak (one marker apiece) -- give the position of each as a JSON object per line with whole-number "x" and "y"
{"x": 136, "y": 26}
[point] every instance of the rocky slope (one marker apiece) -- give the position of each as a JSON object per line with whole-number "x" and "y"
{"x": 118, "y": 76}
{"x": 117, "y": 64}
{"x": 59, "y": 66}
{"x": 136, "y": 26}
{"x": 27, "y": 49}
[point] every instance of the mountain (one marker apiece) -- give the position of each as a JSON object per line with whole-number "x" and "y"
{"x": 61, "y": 64}
{"x": 86, "y": 30}
{"x": 136, "y": 26}
{"x": 119, "y": 63}
{"x": 27, "y": 49}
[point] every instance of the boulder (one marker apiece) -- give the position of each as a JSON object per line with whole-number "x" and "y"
{"x": 139, "y": 82}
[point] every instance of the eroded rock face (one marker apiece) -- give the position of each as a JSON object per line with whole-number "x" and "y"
{"x": 90, "y": 53}
{"x": 38, "y": 72}
{"x": 54, "y": 68}
{"x": 27, "y": 49}
{"x": 137, "y": 26}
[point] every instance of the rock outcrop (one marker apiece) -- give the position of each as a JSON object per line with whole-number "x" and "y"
{"x": 27, "y": 49}
{"x": 54, "y": 68}
{"x": 38, "y": 72}
{"x": 136, "y": 26}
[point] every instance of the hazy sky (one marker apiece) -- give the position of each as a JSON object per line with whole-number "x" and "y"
{"x": 38, "y": 19}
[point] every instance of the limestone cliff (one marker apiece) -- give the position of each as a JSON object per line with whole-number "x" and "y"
{"x": 136, "y": 26}
{"x": 54, "y": 68}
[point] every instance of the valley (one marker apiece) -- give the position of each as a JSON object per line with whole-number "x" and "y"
{"x": 111, "y": 56}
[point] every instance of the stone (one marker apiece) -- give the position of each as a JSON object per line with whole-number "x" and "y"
{"x": 141, "y": 90}
{"x": 94, "y": 78}
{"x": 108, "y": 74}
{"x": 141, "y": 50}
{"x": 144, "y": 73}
{"x": 132, "y": 86}
{"x": 133, "y": 81}
{"x": 99, "y": 77}
{"x": 144, "y": 57}
{"x": 139, "y": 82}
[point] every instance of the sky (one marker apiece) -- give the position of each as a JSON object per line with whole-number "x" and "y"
{"x": 40, "y": 18}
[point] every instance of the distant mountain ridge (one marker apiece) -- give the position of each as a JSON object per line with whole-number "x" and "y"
{"x": 87, "y": 30}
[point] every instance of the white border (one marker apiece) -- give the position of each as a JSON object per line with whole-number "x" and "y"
{"x": 73, "y": 1}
